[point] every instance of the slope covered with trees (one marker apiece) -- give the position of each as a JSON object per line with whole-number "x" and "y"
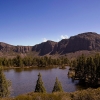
{"x": 87, "y": 69}
{"x": 33, "y": 61}
{"x": 4, "y": 85}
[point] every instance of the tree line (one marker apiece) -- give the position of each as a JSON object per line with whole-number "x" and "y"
{"x": 45, "y": 61}
{"x": 87, "y": 69}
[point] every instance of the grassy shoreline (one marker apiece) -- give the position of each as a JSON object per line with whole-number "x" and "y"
{"x": 88, "y": 94}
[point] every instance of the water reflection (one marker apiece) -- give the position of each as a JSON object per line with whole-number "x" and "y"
{"x": 24, "y": 80}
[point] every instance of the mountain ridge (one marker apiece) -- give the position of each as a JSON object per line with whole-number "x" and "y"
{"x": 88, "y": 41}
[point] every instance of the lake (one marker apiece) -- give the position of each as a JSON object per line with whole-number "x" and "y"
{"x": 24, "y": 80}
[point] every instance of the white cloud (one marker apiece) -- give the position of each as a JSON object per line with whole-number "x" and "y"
{"x": 44, "y": 39}
{"x": 64, "y": 37}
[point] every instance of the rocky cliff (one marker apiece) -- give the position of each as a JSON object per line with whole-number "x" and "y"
{"x": 89, "y": 41}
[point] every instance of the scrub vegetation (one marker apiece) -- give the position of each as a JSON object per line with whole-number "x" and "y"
{"x": 33, "y": 62}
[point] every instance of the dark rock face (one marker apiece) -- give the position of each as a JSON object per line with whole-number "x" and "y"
{"x": 86, "y": 41}
{"x": 10, "y": 48}
{"x": 5, "y": 47}
{"x": 44, "y": 48}
{"x": 77, "y": 43}
{"x": 23, "y": 49}
{"x": 47, "y": 47}
{"x": 60, "y": 47}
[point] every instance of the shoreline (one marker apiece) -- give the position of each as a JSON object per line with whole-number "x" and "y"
{"x": 53, "y": 66}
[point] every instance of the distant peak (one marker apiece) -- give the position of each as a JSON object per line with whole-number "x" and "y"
{"x": 88, "y": 33}
{"x": 49, "y": 41}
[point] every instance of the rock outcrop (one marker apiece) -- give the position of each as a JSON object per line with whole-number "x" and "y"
{"x": 89, "y": 41}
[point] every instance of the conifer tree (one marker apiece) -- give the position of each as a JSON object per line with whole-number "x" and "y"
{"x": 4, "y": 85}
{"x": 39, "y": 86}
{"x": 57, "y": 86}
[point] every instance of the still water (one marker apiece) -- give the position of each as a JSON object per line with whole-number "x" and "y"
{"x": 24, "y": 80}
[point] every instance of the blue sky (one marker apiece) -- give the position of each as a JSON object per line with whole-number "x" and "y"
{"x": 29, "y": 22}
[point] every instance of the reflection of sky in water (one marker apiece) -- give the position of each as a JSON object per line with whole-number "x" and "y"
{"x": 24, "y": 80}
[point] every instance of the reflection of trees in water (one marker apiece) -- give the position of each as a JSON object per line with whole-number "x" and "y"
{"x": 18, "y": 70}
{"x": 30, "y": 69}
